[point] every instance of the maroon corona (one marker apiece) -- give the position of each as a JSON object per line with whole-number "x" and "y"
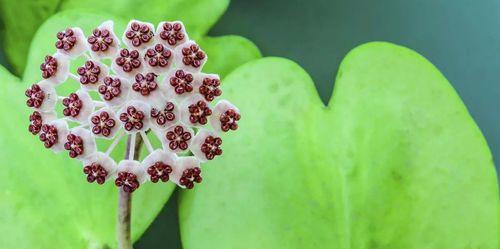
{"x": 74, "y": 145}
{"x": 128, "y": 60}
{"x": 139, "y": 34}
{"x": 127, "y": 181}
{"x": 36, "y": 123}
{"x": 102, "y": 124}
{"x": 159, "y": 56}
{"x": 145, "y": 84}
{"x": 95, "y": 173}
{"x": 199, "y": 112}
{"x": 172, "y": 33}
{"x": 182, "y": 82}
{"x": 111, "y": 88}
{"x": 228, "y": 120}
{"x": 73, "y": 105}
{"x": 159, "y": 171}
{"x": 132, "y": 118}
{"x": 193, "y": 56}
{"x": 211, "y": 147}
{"x": 49, "y": 67}
{"x": 49, "y": 135}
{"x": 178, "y": 138}
{"x": 89, "y": 73}
{"x": 100, "y": 40}
{"x": 35, "y": 96}
{"x": 66, "y": 40}
{"x": 210, "y": 88}
{"x": 190, "y": 176}
{"x": 165, "y": 115}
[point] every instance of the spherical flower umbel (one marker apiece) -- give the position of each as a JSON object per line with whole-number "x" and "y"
{"x": 153, "y": 87}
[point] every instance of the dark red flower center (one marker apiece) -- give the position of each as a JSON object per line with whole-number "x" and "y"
{"x": 172, "y": 33}
{"x": 210, "y": 88}
{"x": 127, "y": 181}
{"x": 49, "y": 67}
{"x": 179, "y": 138}
{"x": 100, "y": 40}
{"x": 165, "y": 115}
{"x": 102, "y": 123}
{"x": 73, "y": 104}
{"x": 139, "y": 33}
{"x": 145, "y": 84}
{"x": 49, "y": 135}
{"x": 95, "y": 173}
{"x": 228, "y": 120}
{"x": 158, "y": 56}
{"x": 35, "y": 96}
{"x": 89, "y": 73}
{"x": 66, "y": 40}
{"x": 211, "y": 147}
{"x": 128, "y": 60}
{"x": 35, "y": 123}
{"x": 190, "y": 176}
{"x": 199, "y": 112}
{"x": 74, "y": 145}
{"x": 132, "y": 118}
{"x": 192, "y": 55}
{"x": 181, "y": 81}
{"x": 111, "y": 88}
{"x": 159, "y": 171}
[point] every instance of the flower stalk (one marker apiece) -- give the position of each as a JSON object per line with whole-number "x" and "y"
{"x": 125, "y": 200}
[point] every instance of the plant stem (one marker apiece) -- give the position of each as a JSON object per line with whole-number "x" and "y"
{"x": 125, "y": 203}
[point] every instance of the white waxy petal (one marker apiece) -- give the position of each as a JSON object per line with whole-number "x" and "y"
{"x": 183, "y": 166}
{"x": 158, "y": 59}
{"x": 164, "y": 115}
{"x": 176, "y": 138}
{"x": 206, "y": 145}
{"x": 138, "y": 38}
{"x": 190, "y": 57}
{"x": 104, "y": 123}
{"x": 79, "y": 46}
{"x": 134, "y": 116}
{"x": 56, "y": 75}
{"x": 134, "y": 167}
{"x": 195, "y": 111}
{"x": 155, "y": 164}
{"x": 102, "y": 162}
{"x": 82, "y": 112}
{"x": 55, "y": 138}
{"x": 171, "y": 34}
{"x": 100, "y": 48}
{"x": 114, "y": 90}
{"x": 229, "y": 118}
{"x": 92, "y": 73}
{"x": 87, "y": 143}
{"x": 178, "y": 84}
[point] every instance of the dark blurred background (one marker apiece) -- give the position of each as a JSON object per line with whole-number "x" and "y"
{"x": 461, "y": 37}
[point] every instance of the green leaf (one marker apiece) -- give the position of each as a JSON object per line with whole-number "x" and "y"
{"x": 50, "y": 192}
{"x": 227, "y": 52}
{"x": 45, "y": 200}
{"x": 394, "y": 161}
{"x": 198, "y": 16}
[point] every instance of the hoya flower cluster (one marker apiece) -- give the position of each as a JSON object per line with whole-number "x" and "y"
{"x": 153, "y": 82}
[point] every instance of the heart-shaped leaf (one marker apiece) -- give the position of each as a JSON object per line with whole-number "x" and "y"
{"x": 394, "y": 161}
{"x": 198, "y": 16}
{"x": 45, "y": 201}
